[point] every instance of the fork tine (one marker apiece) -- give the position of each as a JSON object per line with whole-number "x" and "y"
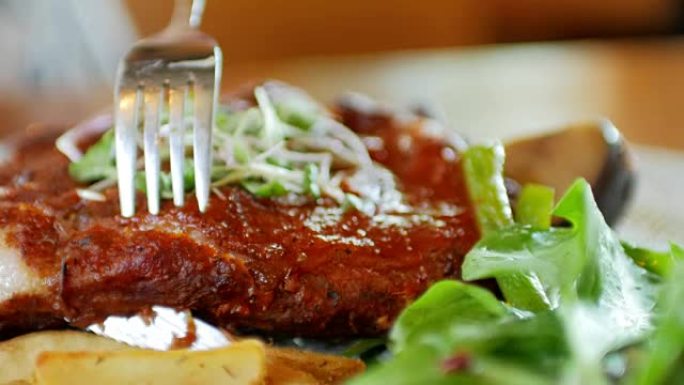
{"x": 205, "y": 101}
{"x": 126, "y": 131}
{"x": 177, "y": 96}
{"x": 153, "y": 105}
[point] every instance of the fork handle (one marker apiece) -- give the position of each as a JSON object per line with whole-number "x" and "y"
{"x": 187, "y": 13}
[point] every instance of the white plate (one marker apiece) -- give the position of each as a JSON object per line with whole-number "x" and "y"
{"x": 656, "y": 215}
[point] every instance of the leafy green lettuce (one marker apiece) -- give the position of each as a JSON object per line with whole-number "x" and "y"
{"x": 657, "y": 262}
{"x": 97, "y": 163}
{"x": 585, "y": 261}
{"x": 663, "y": 362}
{"x": 483, "y": 168}
{"x": 603, "y": 308}
{"x": 534, "y": 206}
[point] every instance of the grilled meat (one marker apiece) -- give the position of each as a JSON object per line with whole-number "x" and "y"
{"x": 271, "y": 265}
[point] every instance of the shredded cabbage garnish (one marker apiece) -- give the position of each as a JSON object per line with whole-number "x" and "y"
{"x": 286, "y": 144}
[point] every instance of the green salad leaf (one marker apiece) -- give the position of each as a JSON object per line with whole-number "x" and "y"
{"x": 657, "y": 262}
{"x": 585, "y": 261}
{"x": 603, "y": 308}
{"x": 664, "y": 359}
{"x": 494, "y": 344}
{"x": 434, "y": 313}
{"x": 454, "y": 322}
{"x": 534, "y": 206}
{"x": 483, "y": 168}
{"x": 97, "y": 163}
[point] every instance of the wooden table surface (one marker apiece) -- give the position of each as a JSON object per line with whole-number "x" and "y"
{"x": 512, "y": 90}
{"x": 495, "y": 91}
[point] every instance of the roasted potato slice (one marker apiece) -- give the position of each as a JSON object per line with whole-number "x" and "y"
{"x": 241, "y": 363}
{"x": 55, "y": 357}
{"x": 278, "y": 373}
{"x": 18, "y": 355}
{"x": 327, "y": 369}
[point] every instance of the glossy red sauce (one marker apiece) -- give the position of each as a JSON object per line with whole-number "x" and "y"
{"x": 247, "y": 263}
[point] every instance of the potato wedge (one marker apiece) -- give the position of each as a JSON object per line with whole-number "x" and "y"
{"x": 242, "y": 363}
{"x": 18, "y": 355}
{"x": 278, "y": 373}
{"x": 284, "y": 366}
{"x": 327, "y": 369}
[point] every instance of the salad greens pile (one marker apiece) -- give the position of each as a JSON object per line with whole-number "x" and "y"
{"x": 285, "y": 144}
{"x": 579, "y": 306}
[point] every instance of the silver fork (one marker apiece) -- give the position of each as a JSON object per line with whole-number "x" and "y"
{"x": 172, "y": 62}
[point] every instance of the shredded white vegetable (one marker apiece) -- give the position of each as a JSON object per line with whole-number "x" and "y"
{"x": 286, "y": 144}
{"x": 67, "y": 146}
{"x": 90, "y": 195}
{"x": 270, "y": 150}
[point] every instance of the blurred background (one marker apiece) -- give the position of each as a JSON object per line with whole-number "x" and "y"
{"x": 490, "y": 65}
{"x": 271, "y": 29}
